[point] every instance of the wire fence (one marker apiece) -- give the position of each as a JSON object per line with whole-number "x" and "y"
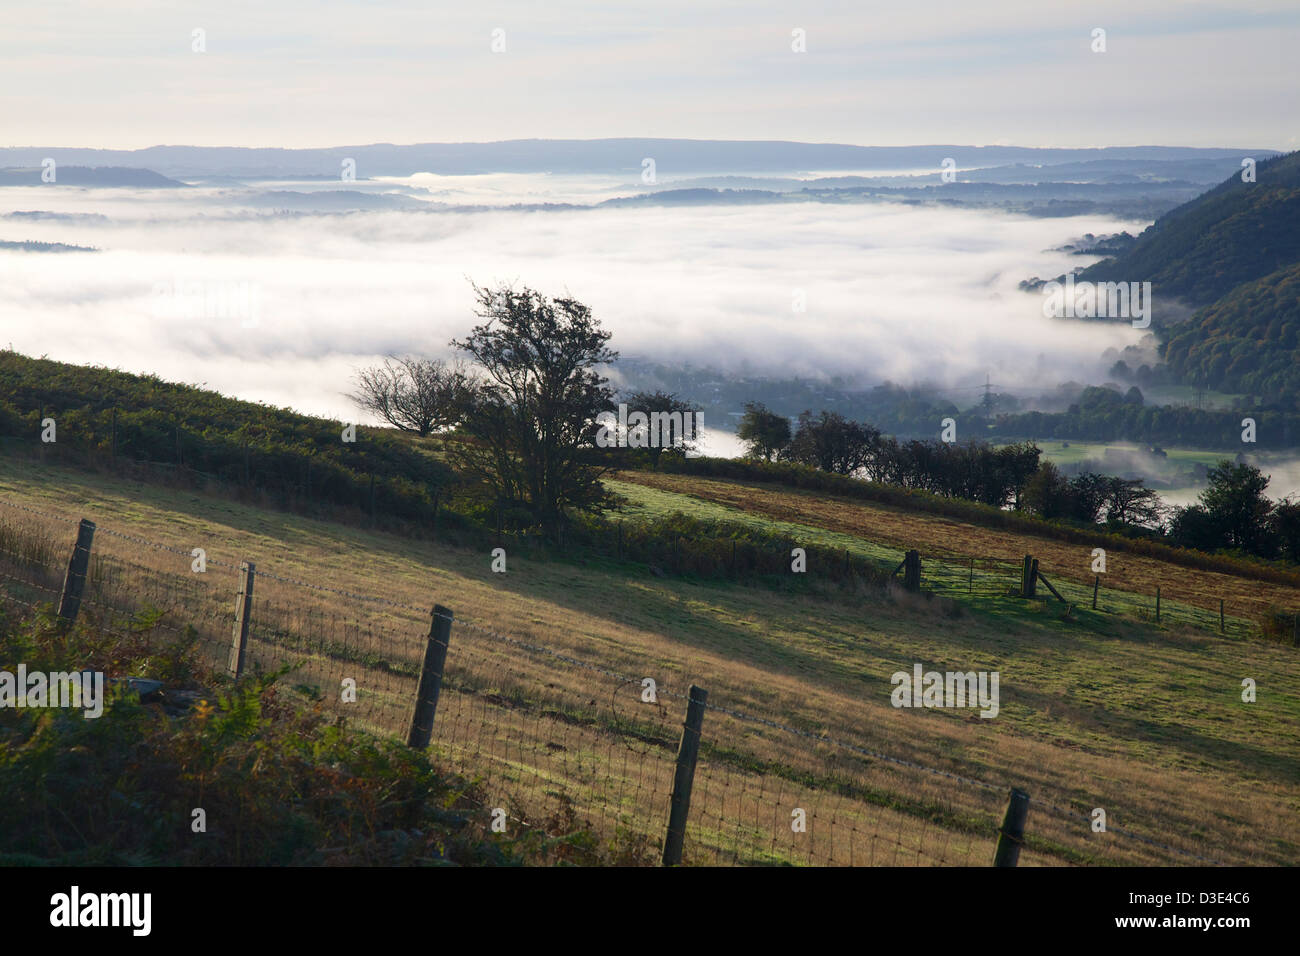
{"x": 559, "y": 743}
{"x": 956, "y": 575}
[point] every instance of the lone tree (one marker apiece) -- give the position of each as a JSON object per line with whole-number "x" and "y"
{"x": 413, "y": 394}
{"x": 764, "y": 432}
{"x": 527, "y": 420}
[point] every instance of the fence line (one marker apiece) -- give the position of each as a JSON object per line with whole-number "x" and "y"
{"x": 957, "y": 564}
{"x": 273, "y": 636}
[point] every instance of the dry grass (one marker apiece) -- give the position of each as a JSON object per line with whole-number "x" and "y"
{"x": 1147, "y": 724}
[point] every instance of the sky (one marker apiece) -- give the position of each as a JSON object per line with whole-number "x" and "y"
{"x": 343, "y": 72}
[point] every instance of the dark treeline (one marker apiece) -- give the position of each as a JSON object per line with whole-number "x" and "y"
{"x": 830, "y": 442}
{"x": 1233, "y": 513}
{"x": 972, "y": 470}
{"x": 1013, "y": 475}
{"x": 1109, "y": 413}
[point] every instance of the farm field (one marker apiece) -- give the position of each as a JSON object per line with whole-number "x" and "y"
{"x": 1072, "y": 452}
{"x": 1130, "y": 581}
{"x": 1100, "y": 711}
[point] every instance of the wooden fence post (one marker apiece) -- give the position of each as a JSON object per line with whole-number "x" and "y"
{"x": 687, "y": 753}
{"x": 912, "y": 571}
{"x": 426, "y": 694}
{"x": 1011, "y": 835}
{"x": 1157, "y": 605}
{"x": 1096, "y": 583}
{"x": 74, "y": 582}
{"x": 1221, "y": 615}
{"x": 970, "y": 584}
{"x": 243, "y": 612}
{"x": 1029, "y": 577}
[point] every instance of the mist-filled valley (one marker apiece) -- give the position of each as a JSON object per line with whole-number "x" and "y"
{"x": 889, "y": 292}
{"x": 278, "y": 290}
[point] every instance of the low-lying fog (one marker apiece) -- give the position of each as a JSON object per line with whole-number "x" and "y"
{"x": 212, "y": 284}
{"x": 891, "y": 291}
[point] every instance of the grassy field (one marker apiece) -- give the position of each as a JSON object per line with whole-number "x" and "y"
{"x": 1073, "y": 452}
{"x": 1129, "y": 584}
{"x": 1101, "y": 710}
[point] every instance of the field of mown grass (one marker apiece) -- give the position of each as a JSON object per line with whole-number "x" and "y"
{"x": 1097, "y": 711}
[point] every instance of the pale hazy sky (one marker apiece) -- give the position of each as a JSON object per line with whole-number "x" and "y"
{"x": 345, "y": 72}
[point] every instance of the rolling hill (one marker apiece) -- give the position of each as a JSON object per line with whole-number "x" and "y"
{"x": 99, "y": 177}
{"x": 618, "y": 156}
{"x": 542, "y": 702}
{"x": 1237, "y": 232}
{"x": 1248, "y": 341}
{"x": 1233, "y": 256}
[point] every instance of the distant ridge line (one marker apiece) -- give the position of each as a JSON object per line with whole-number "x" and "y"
{"x": 610, "y": 156}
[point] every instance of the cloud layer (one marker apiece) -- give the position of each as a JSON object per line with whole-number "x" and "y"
{"x": 299, "y": 74}
{"x": 890, "y": 292}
